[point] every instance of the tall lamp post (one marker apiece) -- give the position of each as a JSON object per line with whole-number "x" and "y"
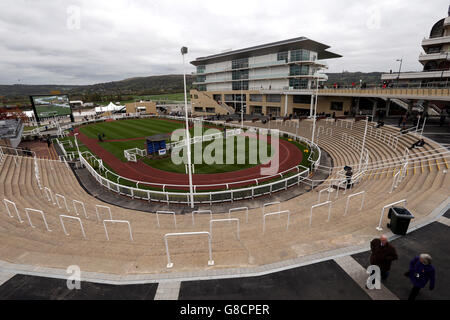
{"x": 399, "y": 69}
{"x": 76, "y": 143}
{"x": 184, "y": 50}
{"x": 242, "y": 103}
{"x": 315, "y": 108}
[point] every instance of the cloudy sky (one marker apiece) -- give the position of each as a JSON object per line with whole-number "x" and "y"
{"x": 85, "y": 42}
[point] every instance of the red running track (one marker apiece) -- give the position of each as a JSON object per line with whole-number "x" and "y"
{"x": 289, "y": 156}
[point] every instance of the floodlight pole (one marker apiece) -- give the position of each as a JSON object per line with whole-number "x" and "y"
{"x": 315, "y": 109}
{"x": 242, "y": 105}
{"x": 76, "y": 143}
{"x": 184, "y": 50}
{"x": 363, "y": 143}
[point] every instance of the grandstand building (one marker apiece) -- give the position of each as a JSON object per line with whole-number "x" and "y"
{"x": 435, "y": 59}
{"x": 270, "y": 79}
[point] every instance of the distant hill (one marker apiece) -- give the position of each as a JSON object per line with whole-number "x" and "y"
{"x": 137, "y": 86}
{"x": 152, "y": 85}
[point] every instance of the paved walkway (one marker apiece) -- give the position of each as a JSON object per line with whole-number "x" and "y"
{"x": 341, "y": 278}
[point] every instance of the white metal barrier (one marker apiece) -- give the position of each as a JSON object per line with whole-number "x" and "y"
{"x": 200, "y": 211}
{"x": 318, "y": 205}
{"x": 363, "y": 193}
{"x": 57, "y": 197}
{"x": 7, "y": 203}
{"x": 117, "y": 221}
{"x": 73, "y": 218}
{"x": 75, "y": 202}
{"x": 49, "y": 195}
{"x": 329, "y": 190}
{"x": 97, "y": 207}
{"x": 279, "y": 215}
{"x": 265, "y": 205}
{"x": 224, "y": 220}
{"x": 169, "y": 262}
{"x": 166, "y": 212}
{"x": 385, "y": 207}
{"x": 29, "y": 210}
{"x": 239, "y": 209}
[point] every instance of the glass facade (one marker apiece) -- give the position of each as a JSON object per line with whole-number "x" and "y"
{"x": 241, "y": 74}
{"x": 201, "y": 87}
{"x": 283, "y": 56}
{"x": 201, "y": 69}
{"x": 300, "y": 55}
{"x": 298, "y": 70}
{"x": 201, "y": 79}
{"x": 256, "y": 97}
{"x": 240, "y": 85}
{"x": 273, "y": 98}
{"x": 298, "y": 83}
{"x": 302, "y": 99}
{"x": 239, "y": 63}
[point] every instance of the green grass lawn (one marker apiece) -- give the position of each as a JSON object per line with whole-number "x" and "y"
{"x": 132, "y": 128}
{"x": 167, "y": 164}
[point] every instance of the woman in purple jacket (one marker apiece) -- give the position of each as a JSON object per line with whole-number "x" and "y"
{"x": 420, "y": 272}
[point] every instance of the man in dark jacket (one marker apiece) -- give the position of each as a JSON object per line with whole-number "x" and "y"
{"x": 383, "y": 253}
{"x": 420, "y": 272}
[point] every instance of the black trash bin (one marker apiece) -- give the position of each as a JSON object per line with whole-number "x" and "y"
{"x": 400, "y": 219}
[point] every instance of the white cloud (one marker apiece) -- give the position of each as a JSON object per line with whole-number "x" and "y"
{"x": 119, "y": 39}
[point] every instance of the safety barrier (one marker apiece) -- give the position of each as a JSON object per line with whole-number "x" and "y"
{"x": 29, "y": 210}
{"x": 75, "y": 202}
{"x": 200, "y": 211}
{"x": 57, "y": 197}
{"x": 7, "y": 203}
{"x": 166, "y": 212}
{"x": 73, "y": 218}
{"x": 239, "y": 209}
{"x": 117, "y": 221}
{"x": 319, "y": 205}
{"x": 363, "y": 193}
{"x": 279, "y": 215}
{"x": 224, "y": 220}
{"x": 169, "y": 262}
{"x": 97, "y": 207}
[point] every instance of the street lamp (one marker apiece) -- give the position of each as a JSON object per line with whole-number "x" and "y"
{"x": 76, "y": 143}
{"x": 315, "y": 107}
{"x": 184, "y": 50}
{"x": 399, "y": 69}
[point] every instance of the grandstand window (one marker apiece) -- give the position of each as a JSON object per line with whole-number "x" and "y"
{"x": 337, "y": 105}
{"x": 273, "y": 98}
{"x": 282, "y": 56}
{"x": 239, "y": 63}
{"x": 302, "y": 98}
{"x": 256, "y": 97}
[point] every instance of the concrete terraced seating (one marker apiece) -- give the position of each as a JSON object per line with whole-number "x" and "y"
{"x": 23, "y": 244}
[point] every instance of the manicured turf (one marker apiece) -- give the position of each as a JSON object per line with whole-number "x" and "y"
{"x": 133, "y": 128}
{"x": 167, "y": 164}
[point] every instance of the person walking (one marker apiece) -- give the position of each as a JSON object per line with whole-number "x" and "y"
{"x": 420, "y": 272}
{"x": 383, "y": 253}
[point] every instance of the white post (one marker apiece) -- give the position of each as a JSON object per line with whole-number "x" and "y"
{"x": 184, "y": 50}
{"x": 423, "y": 127}
{"x": 364, "y": 143}
{"x": 315, "y": 110}
{"x": 76, "y": 143}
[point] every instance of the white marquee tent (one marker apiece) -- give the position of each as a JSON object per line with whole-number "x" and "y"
{"x": 110, "y": 107}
